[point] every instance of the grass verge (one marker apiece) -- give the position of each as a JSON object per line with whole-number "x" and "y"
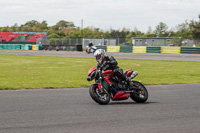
{"x": 28, "y": 72}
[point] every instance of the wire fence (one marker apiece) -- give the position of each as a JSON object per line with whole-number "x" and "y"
{"x": 85, "y": 41}
{"x": 57, "y": 41}
{"x": 107, "y": 41}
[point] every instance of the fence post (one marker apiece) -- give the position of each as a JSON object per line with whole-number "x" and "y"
{"x": 70, "y": 41}
{"x": 118, "y": 41}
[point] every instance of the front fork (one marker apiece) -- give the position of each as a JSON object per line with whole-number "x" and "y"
{"x": 101, "y": 88}
{"x": 101, "y": 82}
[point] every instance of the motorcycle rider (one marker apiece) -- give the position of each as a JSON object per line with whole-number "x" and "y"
{"x": 90, "y": 44}
{"x": 109, "y": 63}
{"x": 89, "y": 47}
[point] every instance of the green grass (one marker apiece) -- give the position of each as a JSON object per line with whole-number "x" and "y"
{"x": 27, "y": 72}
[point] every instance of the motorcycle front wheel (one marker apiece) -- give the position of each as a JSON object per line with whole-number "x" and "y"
{"x": 97, "y": 96}
{"x": 141, "y": 94}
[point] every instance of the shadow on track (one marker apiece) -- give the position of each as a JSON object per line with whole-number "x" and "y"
{"x": 120, "y": 103}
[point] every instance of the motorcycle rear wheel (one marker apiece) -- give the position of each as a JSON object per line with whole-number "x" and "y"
{"x": 96, "y": 95}
{"x": 141, "y": 94}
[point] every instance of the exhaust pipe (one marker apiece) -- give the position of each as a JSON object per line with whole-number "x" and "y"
{"x": 134, "y": 74}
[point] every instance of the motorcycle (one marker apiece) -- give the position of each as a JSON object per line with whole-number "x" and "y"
{"x": 107, "y": 86}
{"x": 90, "y": 49}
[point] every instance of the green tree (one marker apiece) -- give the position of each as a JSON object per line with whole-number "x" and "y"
{"x": 129, "y": 38}
{"x": 106, "y": 34}
{"x": 31, "y": 23}
{"x": 150, "y": 33}
{"x": 161, "y": 30}
{"x": 43, "y": 26}
{"x": 138, "y": 33}
{"x": 4, "y": 29}
{"x": 195, "y": 30}
{"x": 53, "y": 35}
{"x": 14, "y": 28}
{"x": 63, "y": 24}
{"x": 184, "y": 30}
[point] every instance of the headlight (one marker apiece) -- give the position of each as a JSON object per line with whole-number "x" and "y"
{"x": 89, "y": 78}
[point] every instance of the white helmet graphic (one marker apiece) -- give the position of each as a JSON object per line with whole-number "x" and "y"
{"x": 99, "y": 54}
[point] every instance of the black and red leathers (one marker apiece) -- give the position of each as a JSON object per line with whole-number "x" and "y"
{"x": 109, "y": 63}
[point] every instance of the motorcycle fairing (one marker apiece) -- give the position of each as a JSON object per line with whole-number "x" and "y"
{"x": 108, "y": 72}
{"x": 121, "y": 95}
{"x": 107, "y": 80}
{"x": 91, "y": 70}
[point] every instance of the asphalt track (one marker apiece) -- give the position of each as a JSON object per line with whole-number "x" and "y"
{"x": 169, "y": 109}
{"x": 136, "y": 56}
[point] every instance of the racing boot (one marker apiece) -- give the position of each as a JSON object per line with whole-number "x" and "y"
{"x": 128, "y": 80}
{"x": 133, "y": 75}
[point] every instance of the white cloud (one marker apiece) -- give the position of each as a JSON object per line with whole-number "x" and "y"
{"x": 101, "y": 13}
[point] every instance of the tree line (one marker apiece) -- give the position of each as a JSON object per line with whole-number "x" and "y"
{"x": 66, "y": 29}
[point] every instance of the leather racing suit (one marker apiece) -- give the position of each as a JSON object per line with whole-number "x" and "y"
{"x": 109, "y": 63}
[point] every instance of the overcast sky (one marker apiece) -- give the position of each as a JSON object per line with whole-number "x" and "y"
{"x": 104, "y": 14}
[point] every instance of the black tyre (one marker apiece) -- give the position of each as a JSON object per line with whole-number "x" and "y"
{"x": 141, "y": 94}
{"x": 96, "y": 95}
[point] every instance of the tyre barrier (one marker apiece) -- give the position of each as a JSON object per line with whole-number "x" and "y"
{"x": 10, "y": 46}
{"x": 153, "y": 49}
{"x": 125, "y": 49}
{"x": 139, "y": 49}
{"x": 113, "y": 48}
{"x": 190, "y": 50}
{"x": 144, "y": 49}
{"x": 41, "y": 47}
{"x": 170, "y": 50}
{"x": 102, "y": 47}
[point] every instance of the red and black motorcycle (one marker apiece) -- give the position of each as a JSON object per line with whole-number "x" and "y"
{"x": 107, "y": 86}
